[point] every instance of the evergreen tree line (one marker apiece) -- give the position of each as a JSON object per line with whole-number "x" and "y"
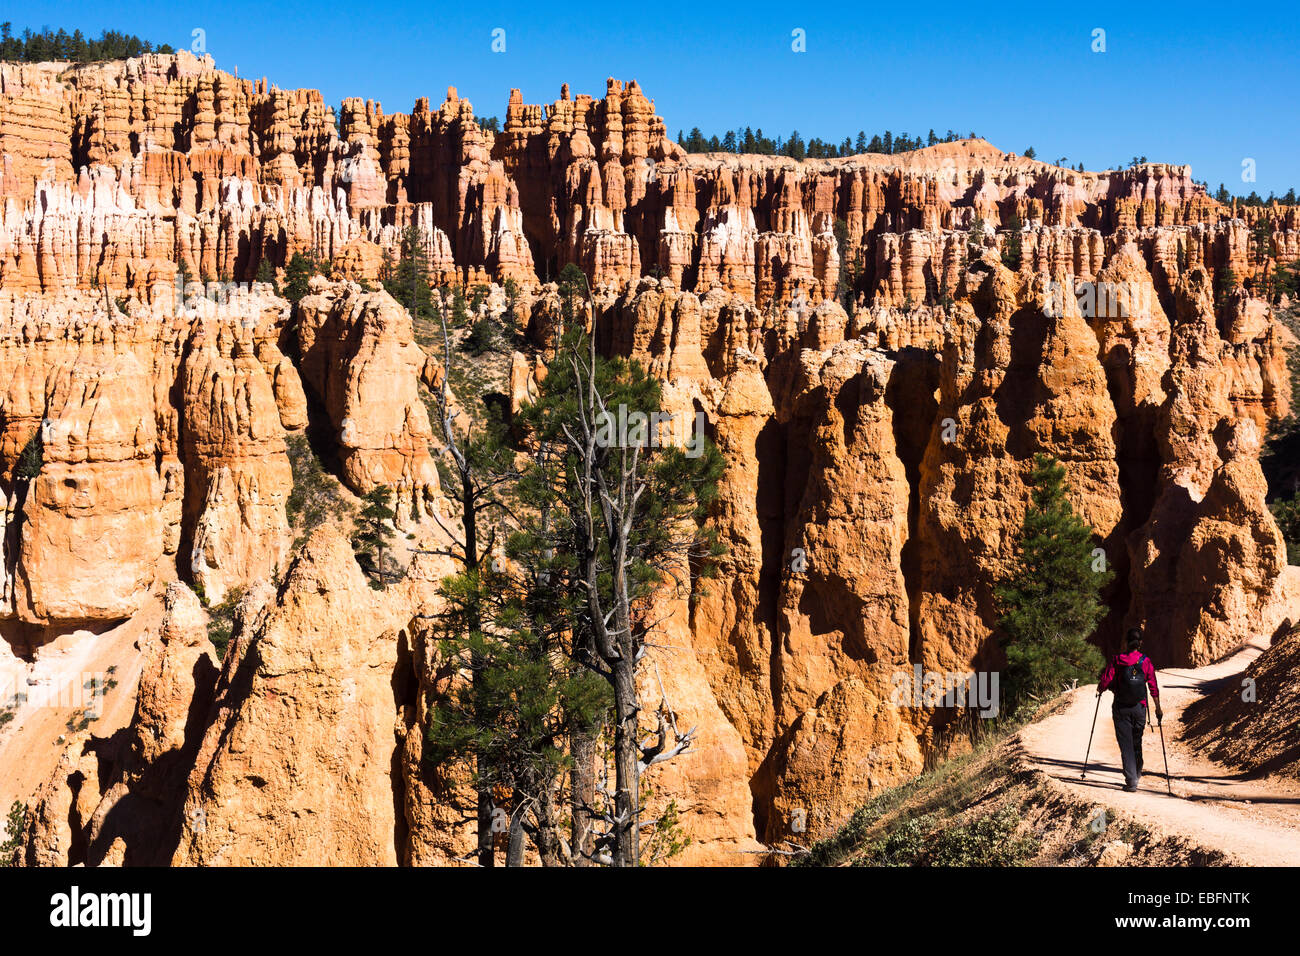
{"x": 60, "y": 45}
{"x": 1225, "y": 197}
{"x": 748, "y": 140}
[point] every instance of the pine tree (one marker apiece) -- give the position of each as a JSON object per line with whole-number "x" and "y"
{"x": 407, "y": 280}
{"x": 1050, "y": 601}
{"x": 628, "y": 521}
{"x": 482, "y": 336}
{"x": 1284, "y": 283}
{"x": 571, "y": 286}
{"x": 850, "y": 267}
{"x": 15, "y": 823}
{"x": 32, "y": 457}
{"x": 1286, "y": 512}
{"x": 1261, "y": 235}
{"x": 1225, "y": 281}
{"x": 525, "y": 698}
{"x": 1011, "y": 255}
{"x": 266, "y": 273}
{"x": 374, "y": 530}
{"x": 975, "y": 237}
{"x": 794, "y": 147}
{"x": 296, "y": 274}
{"x": 510, "y": 325}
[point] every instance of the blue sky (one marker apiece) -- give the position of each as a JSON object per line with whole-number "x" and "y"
{"x": 1177, "y": 82}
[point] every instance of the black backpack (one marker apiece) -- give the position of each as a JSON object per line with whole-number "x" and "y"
{"x": 1130, "y": 685}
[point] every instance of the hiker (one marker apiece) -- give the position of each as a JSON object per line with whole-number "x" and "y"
{"x": 1129, "y": 676}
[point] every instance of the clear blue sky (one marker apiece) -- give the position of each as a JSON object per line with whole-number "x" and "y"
{"x": 1205, "y": 85}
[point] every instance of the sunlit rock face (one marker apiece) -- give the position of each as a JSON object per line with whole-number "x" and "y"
{"x": 877, "y": 380}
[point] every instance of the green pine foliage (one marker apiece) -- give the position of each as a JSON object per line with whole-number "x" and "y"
{"x": 571, "y": 285}
{"x": 32, "y": 457}
{"x": 1050, "y": 601}
{"x": 1286, "y": 280}
{"x": 316, "y": 494}
{"x": 851, "y": 267}
{"x": 374, "y": 532}
{"x": 511, "y": 325}
{"x": 296, "y": 276}
{"x": 975, "y": 237}
{"x": 681, "y": 487}
{"x": 1011, "y": 249}
{"x": 266, "y": 273}
{"x": 50, "y": 44}
{"x": 1225, "y": 282}
{"x": 749, "y": 140}
{"x": 519, "y": 624}
{"x": 523, "y": 695}
{"x": 1286, "y": 512}
{"x": 221, "y": 622}
{"x": 14, "y": 824}
{"x": 482, "y": 337}
{"x": 407, "y": 280}
{"x": 460, "y": 315}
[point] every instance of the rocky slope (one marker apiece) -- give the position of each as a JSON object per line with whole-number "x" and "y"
{"x": 876, "y": 457}
{"x": 1249, "y": 722}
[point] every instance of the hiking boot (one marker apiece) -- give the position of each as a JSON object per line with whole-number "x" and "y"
{"x": 1130, "y": 788}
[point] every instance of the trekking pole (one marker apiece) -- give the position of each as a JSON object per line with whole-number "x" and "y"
{"x": 1168, "y": 785}
{"x": 1096, "y": 710}
{"x": 1161, "y": 723}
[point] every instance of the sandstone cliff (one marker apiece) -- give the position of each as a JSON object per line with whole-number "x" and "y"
{"x": 877, "y": 434}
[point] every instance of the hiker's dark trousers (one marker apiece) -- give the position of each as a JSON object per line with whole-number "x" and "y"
{"x": 1129, "y": 724}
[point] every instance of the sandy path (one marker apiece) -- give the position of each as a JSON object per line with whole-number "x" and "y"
{"x": 1256, "y": 820}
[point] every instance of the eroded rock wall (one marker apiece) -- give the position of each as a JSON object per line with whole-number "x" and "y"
{"x": 877, "y": 380}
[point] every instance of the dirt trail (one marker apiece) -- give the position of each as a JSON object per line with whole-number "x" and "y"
{"x": 1254, "y": 819}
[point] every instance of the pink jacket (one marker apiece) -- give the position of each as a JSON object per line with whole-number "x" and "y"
{"x": 1124, "y": 660}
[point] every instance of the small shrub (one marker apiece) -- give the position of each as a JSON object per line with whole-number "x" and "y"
{"x": 14, "y": 825}
{"x": 990, "y": 840}
{"x": 316, "y": 493}
{"x": 32, "y": 457}
{"x": 482, "y": 337}
{"x": 221, "y": 623}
